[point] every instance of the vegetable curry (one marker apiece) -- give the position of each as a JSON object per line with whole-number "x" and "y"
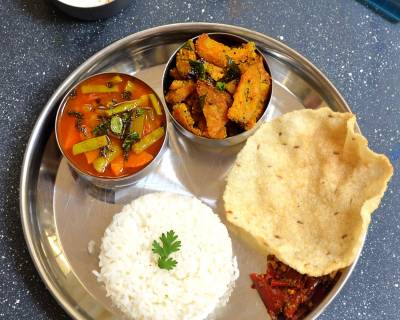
{"x": 112, "y": 125}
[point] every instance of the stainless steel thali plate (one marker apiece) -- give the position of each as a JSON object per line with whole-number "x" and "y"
{"x": 61, "y": 214}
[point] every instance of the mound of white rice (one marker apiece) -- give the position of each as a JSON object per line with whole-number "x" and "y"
{"x": 206, "y": 268}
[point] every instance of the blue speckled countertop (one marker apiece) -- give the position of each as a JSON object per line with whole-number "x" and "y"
{"x": 357, "y": 49}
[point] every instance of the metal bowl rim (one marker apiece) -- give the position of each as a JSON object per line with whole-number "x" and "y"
{"x": 63, "y": 87}
{"x": 101, "y": 5}
{"x": 132, "y": 176}
{"x": 243, "y": 136}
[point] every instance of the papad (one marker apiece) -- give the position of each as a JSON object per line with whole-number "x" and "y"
{"x": 303, "y": 188}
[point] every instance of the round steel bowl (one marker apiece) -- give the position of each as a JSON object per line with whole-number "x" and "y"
{"x": 92, "y": 13}
{"x": 103, "y": 182}
{"x": 230, "y": 40}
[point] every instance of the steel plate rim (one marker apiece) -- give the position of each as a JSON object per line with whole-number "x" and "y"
{"x": 63, "y": 87}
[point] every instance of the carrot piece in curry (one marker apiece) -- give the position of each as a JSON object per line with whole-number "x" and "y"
{"x": 91, "y": 156}
{"x": 117, "y": 165}
{"x": 138, "y": 160}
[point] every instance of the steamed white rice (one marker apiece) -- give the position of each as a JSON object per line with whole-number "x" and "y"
{"x": 206, "y": 268}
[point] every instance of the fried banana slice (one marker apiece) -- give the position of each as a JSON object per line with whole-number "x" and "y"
{"x": 246, "y": 98}
{"x": 264, "y": 90}
{"x": 244, "y": 56}
{"x": 215, "y": 108}
{"x": 215, "y": 72}
{"x": 183, "y": 58}
{"x": 181, "y": 114}
{"x": 179, "y": 90}
{"x": 212, "y": 51}
{"x": 217, "y": 53}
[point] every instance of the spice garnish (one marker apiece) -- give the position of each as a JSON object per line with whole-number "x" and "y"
{"x": 170, "y": 244}
{"x": 101, "y": 129}
{"x": 79, "y": 120}
{"x": 130, "y": 139}
{"x": 126, "y": 95}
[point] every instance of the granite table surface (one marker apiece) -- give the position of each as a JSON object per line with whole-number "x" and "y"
{"x": 356, "y": 48}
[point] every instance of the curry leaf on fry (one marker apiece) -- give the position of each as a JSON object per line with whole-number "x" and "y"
{"x": 232, "y": 71}
{"x": 198, "y": 70}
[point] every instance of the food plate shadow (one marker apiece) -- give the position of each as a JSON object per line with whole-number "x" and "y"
{"x": 102, "y": 194}
{"x": 202, "y": 169}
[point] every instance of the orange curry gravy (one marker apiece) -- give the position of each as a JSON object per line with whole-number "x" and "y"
{"x": 84, "y": 112}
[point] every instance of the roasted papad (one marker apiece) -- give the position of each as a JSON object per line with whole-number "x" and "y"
{"x": 303, "y": 189}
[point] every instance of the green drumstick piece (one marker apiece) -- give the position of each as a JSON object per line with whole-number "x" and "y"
{"x": 89, "y": 145}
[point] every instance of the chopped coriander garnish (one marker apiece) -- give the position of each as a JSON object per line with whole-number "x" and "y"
{"x": 169, "y": 245}
{"x": 130, "y": 139}
{"x": 139, "y": 112}
{"x": 220, "y": 85}
{"x": 100, "y": 129}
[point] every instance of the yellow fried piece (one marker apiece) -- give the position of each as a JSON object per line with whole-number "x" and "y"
{"x": 181, "y": 114}
{"x": 183, "y": 57}
{"x": 215, "y": 72}
{"x": 231, "y": 86}
{"x": 215, "y": 108}
{"x": 244, "y": 56}
{"x": 212, "y": 51}
{"x": 264, "y": 90}
{"x": 179, "y": 90}
{"x": 217, "y": 53}
{"x": 246, "y": 98}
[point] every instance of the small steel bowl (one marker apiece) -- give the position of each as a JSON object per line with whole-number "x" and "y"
{"x": 101, "y": 11}
{"x": 230, "y": 40}
{"x": 111, "y": 182}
